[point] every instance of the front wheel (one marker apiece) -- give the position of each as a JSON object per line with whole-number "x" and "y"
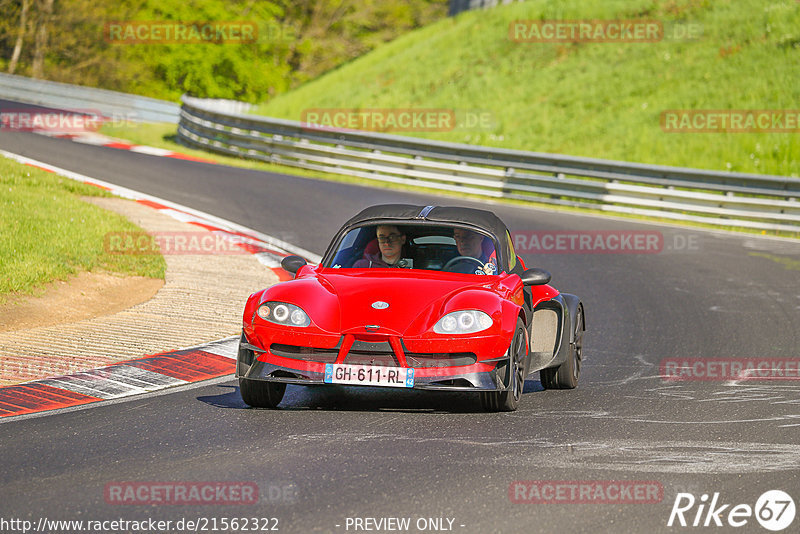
{"x": 565, "y": 376}
{"x": 508, "y": 400}
{"x": 261, "y": 394}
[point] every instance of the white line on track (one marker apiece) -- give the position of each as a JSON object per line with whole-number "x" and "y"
{"x": 136, "y": 195}
{"x": 224, "y": 347}
{"x": 141, "y": 396}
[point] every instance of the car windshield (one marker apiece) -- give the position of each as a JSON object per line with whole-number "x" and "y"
{"x": 434, "y": 248}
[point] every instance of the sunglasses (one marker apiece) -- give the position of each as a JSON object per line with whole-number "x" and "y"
{"x": 389, "y": 239}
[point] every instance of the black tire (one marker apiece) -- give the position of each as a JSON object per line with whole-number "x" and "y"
{"x": 261, "y": 394}
{"x": 566, "y": 375}
{"x": 508, "y": 400}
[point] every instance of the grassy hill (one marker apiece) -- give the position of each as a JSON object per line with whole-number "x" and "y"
{"x": 588, "y": 98}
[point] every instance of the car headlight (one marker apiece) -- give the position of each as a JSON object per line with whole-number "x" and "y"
{"x": 283, "y": 313}
{"x": 463, "y": 322}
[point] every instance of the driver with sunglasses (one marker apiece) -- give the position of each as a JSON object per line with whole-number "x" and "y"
{"x": 390, "y": 248}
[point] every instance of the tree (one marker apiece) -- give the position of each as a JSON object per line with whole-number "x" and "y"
{"x": 45, "y": 13}
{"x": 23, "y": 22}
{"x": 298, "y": 40}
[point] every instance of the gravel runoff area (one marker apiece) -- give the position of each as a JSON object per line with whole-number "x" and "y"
{"x": 202, "y": 300}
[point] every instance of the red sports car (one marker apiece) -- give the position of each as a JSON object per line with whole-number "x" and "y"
{"x": 423, "y": 297}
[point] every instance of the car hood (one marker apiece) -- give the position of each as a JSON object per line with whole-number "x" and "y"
{"x": 415, "y": 301}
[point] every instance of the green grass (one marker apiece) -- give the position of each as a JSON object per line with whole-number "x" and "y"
{"x": 599, "y": 100}
{"x": 49, "y": 233}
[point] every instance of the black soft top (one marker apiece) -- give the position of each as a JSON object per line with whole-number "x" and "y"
{"x": 455, "y": 215}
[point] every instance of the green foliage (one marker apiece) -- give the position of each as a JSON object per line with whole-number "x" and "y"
{"x": 297, "y": 40}
{"x": 241, "y": 71}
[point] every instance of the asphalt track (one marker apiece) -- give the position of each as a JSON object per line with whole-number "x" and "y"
{"x": 332, "y": 454}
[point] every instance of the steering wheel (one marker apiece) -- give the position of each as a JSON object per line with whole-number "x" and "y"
{"x": 463, "y": 258}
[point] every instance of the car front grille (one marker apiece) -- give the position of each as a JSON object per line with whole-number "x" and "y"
{"x": 304, "y": 353}
{"x": 374, "y": 353}
{"x": 371, "y": 353}
{"x": 443, "y": 359}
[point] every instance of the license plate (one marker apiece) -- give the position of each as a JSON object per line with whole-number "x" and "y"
{"x": 369, "y": 375}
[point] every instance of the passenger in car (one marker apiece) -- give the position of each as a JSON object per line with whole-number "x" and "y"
{"x": 471, "y": 244}
{"x": 390, "y": 248}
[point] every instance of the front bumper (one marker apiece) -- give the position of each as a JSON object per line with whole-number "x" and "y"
{"x": 432, "y": 371}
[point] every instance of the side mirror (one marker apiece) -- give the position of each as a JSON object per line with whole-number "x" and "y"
{"x": 293, "y": 263}
{"x": 535, "y": 277}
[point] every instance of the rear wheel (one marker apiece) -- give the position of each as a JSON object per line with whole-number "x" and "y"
{"x": 565, "y": 376}
{"x": 508, "y": 401}
{"x": 261, "y": 394}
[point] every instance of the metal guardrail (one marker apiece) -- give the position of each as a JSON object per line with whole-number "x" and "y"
{"x": 121, "y": 106}
{"x": 717, "y": 198}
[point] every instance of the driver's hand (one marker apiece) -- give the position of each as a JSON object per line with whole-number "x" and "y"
{"x": 489, "y": 268}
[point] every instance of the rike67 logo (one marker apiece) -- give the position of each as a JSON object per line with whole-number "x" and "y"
{"x": 774, "y": 510}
